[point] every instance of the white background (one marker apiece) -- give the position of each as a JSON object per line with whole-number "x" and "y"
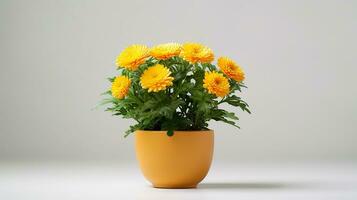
{"x": 299, "y": 58}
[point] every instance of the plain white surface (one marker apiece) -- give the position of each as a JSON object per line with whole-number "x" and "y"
{"x": 316, "y": 181}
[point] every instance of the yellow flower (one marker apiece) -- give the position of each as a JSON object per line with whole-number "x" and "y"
{"x": 194, "y": 52}
{"x": 156, "y": 78}
{"x": 231, "y": 69}
{"x": 216, "y": 83}
{"x": 165, "y": 51}
{"x": 133, "y": 56}
{"x": 120, "y": 87}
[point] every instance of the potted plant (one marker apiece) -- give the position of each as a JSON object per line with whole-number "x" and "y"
{"x": 172, "y": 91}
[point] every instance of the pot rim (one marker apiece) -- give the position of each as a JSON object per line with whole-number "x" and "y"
{"x": 187, "y": 131}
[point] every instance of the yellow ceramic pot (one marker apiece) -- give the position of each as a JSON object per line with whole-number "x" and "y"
{"x": 179, "y": 161}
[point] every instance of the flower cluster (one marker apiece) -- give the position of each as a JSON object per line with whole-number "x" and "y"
{"x": 157, "y": 78}
{"x": 174, "y": 87}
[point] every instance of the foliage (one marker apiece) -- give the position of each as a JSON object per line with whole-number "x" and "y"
{"x": 185, "y": 105}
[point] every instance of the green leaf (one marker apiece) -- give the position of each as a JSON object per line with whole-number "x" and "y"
{"x": 229, "y": 122}
{"x": 230, "y": 115}
{"x": 107, "y": 92}
{"x": 111, "y": 79}
{"x": 170, "y": 133}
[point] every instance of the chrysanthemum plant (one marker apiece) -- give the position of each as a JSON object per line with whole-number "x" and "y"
{"x": 174, "y": 87}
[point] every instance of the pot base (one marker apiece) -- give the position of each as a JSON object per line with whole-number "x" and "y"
{"x": 174, "y": 187}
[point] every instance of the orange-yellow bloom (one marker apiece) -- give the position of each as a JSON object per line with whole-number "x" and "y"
{"x": 216, "y": 84}
{"x": 120, "y": 87}
{"x": 231, "y": 69}
{"x": 156, "y": 78}
{"x": 194, "y": 52}
{"x": 133, "y": 56}
{"x": 165, "y": 51}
